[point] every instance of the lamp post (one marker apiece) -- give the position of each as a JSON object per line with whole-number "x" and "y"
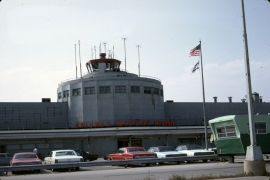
{"x": 254, "y": 162}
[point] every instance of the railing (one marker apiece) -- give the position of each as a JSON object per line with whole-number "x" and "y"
{"x": 110, "y": 163}
{"x": 150, "y": 77}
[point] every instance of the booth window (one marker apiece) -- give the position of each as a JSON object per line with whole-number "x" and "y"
{"x": 260, "y": 127}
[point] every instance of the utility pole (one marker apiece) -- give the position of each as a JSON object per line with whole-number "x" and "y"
{"x": 254, "y": 162}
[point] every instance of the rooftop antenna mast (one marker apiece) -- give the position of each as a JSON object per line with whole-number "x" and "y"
{"x": 92, "y": 52}
{"x": 125, "y": 53}
{"x": 80, "y": 57}
{"x": 139, "y": 66}
{"x": 95, "y": 52}
{"x": 104, "y": 43}
{"x": 75, "y": 60}
{"x": 113, "y": 52}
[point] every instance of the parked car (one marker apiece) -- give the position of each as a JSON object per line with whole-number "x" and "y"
{"x": 165, "y": 152}
{"x": 194, "y": 150}
{"x": 63, "y": 156}
{"x": 5, "y": 159}
{"x": 128, "y": 153}
{"x": 25, "y": 158}
{"x": 86, "y": 156}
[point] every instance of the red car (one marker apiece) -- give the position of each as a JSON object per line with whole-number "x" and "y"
{"x": 25, "y": 158}
{"x": 127, "y": 153}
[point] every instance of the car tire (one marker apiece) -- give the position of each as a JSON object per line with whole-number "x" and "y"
{"x": 204, "y": 160}
{"x": 147, "y": 164}
{"x": 37, "y": 171}
{"x": 77, "y": 168}
{"x": 87, "y": 160}
{"x": 177, "y": 162}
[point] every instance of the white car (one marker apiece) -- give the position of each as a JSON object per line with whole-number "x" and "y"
{"x": 194, "y": 150}
{"x": 63, "y": 156}
{"x": 166, "y": 151}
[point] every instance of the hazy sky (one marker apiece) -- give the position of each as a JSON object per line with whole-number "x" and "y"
{"x": 37, "y": 44}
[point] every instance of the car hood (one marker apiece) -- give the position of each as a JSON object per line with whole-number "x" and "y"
{"x": 171, "y": 152}
{"x": 198, "y": 150}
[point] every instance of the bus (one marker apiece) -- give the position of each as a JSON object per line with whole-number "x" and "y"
{"x": 231, "y": 134}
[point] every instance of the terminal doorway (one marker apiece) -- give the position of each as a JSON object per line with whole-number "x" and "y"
{"x": 124, "y": 142}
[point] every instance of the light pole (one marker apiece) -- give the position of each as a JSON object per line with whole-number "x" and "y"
{"x": 254, "y": 162}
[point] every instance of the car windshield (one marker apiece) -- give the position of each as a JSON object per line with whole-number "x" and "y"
{"x": 65, "y": 153}
{"x": 164, "y": 149}
{"x": 135, "y": 149}
{"x": 22, "y": 156}
{"x": 193, "y": 147}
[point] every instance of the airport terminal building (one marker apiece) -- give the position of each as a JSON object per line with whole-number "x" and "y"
{"x": 110, "y": 108}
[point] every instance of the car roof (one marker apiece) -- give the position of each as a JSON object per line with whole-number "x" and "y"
{"x": 25, "y": 153}
{"x": 161, "y": 146}
{"x": 62, "y": 150}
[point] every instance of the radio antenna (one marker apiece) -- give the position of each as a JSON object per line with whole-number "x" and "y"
{"x": 139, "y": 66}
{"x": 80, "y": 57}
{"x": 113, "y": 51}
{"x": 104, "y": 43}
{"x": 75, "y": 60}
{"x": 124, "y": 39}
{"x": 95, "y": 52}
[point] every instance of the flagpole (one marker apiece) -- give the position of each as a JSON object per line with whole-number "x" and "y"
{"x": 204, "y": 118}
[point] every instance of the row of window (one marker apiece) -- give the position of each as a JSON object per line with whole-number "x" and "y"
{"x": 107, "y": 90}
{"x": 229, "y": 131}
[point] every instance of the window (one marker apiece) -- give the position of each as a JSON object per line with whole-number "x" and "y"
{"x": 120, "y": 89}
{"x": 89, "y": 90}
{"x": 66, "y": 94}
{"x": 260, "y": 128}
{"x": 161, "y": 92}
{"x": 104, "y": 89}
{"x": 59, "y": 95}
{"x": 156, "y": 91}
{"x": 227, "y": 131}
{"x": 76, "y": 92}
{"x": 135, "y": 89}
{"x": 230, "y": 131}
{"x": 147, "y": 90}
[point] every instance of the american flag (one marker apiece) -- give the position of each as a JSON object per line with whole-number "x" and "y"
{"x": 195, "y": 51}
{"x": 195, "y": 67}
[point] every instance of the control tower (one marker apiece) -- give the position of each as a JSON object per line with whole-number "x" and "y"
{"x": 106, "y": 95}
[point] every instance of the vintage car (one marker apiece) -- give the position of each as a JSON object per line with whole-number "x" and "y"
{"x": 194, "y": 150}
{"x": 25, "y": 158}
{"x": 128, "y": 153}
{"x": 5, "y": 159}
{"x": 86, "y": 156}
{"x": 165, "y": 152}
{"x": 63, "y": 156}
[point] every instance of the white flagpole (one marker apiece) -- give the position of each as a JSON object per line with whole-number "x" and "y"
{"x": 204, "y": 117}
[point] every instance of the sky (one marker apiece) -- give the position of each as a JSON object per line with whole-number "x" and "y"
{"x": 37, "y": 45}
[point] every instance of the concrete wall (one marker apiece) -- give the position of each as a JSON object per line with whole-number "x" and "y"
{"x": 112, "y": 106}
